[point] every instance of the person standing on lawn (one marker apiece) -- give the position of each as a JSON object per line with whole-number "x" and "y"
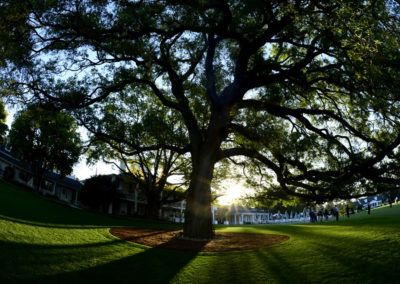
{"x": 336, "y": 213}
{"x": 326, "y": 213}
{"x": 320, "y": 215}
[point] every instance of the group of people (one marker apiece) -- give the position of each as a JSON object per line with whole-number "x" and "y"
{"x": 361, "y": 208}
{"x": 335, "y": 212}
{"x": 321, "y": 214}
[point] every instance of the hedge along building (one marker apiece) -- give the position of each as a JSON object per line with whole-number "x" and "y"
{"x": 65, "y": 189}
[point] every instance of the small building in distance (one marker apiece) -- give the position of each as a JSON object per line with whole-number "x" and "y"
{"x": 243, "y": 215}
{"x": 131, "y": 200}
{"x": 375, "y": 201}
{"x": 63, "y": 188}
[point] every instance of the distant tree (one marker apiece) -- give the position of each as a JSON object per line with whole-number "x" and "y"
{"x": 46, "y": 140}
{"x": 142, "y": 139}
{"x": 100, "y": 192}
{"x": 394, "y": 193}
{"x": 150, "y": 171}
{"x": 3, "y": 126}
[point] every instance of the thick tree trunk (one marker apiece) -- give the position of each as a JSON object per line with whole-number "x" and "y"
{"x": 36, "y": 184}
{"x": 198, "y": 216}
{"x": 153, "y": 207}
{"x": 37, "y": 179}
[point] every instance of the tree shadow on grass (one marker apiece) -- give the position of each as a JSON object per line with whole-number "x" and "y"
{"x": 279, "y": 267}
{"x": 324, "y": 255}
{"x": 150, "y": 266}
{"x": 25, "y": 260}
{"x": 49, "y": 225}
{"x": 129, "y": 263}
{"x": 376, "y": 266}
{"x": 153, "y": 265}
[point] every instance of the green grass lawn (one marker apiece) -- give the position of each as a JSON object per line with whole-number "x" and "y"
{"x": 44, "y": 241}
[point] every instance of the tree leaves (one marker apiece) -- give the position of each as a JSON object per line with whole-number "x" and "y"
{"x": 45, "y": 139}
{"x": 308, "y": 91}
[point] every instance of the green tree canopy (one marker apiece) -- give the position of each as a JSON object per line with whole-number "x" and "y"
{"x": 45, "y": 139}
{"x": 143, "y": 141}
{"x": 303, "y": 93}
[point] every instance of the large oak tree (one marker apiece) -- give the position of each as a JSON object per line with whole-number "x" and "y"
{"x": 304, "y": 92}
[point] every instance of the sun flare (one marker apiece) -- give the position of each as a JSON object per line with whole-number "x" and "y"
{"x": 234, "y": 191}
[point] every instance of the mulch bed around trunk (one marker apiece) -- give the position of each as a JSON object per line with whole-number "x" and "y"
{"x": 168, "y": 239}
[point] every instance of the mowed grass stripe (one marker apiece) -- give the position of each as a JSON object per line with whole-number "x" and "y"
{"x": 41, "y": 240}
